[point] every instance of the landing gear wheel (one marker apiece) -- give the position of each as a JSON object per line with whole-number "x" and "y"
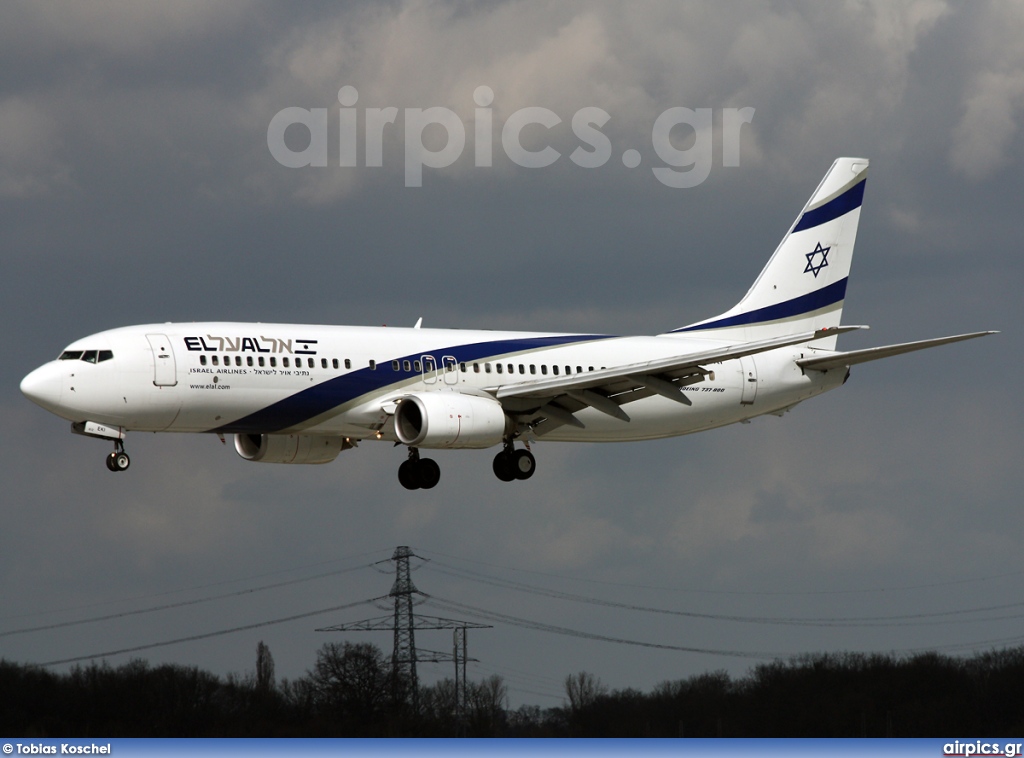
{"x": 118, "y": 461}
{"x": 428, "y": 473}
{"x": 503, "y": 467}
{"x": 523, "y": 464}
{"x": 408, "y": 474}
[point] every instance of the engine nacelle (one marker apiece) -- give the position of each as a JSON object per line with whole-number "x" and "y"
{"x": 449, "y": 420}
{"x": 288, "y": 448}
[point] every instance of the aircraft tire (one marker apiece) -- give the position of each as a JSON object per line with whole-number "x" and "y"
{"x": 121, "y": 461}
{"x": 408, "y": 475}
{"x": 503, "y": 467}
{"x": 112, "y": 462}
{"x": 523, "y": 464}
{"x": 428, "y": 473}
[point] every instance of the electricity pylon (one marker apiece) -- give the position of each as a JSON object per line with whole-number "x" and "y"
{"x": 404, "y": 623}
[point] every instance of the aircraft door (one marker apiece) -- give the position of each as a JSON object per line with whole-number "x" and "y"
{"x": 451, "y": 370}
{"x": 164, "y": 370}
{"x": 429, "y": 369}
{"x": 748, "y": 377}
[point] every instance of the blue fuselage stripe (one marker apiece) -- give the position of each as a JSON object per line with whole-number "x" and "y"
{"x": 812, "y": 301}
{"x": 321, "y": 398}
{"x": 834, "y": 208}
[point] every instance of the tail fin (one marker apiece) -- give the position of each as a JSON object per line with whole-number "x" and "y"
{"x": 803, "y": 286}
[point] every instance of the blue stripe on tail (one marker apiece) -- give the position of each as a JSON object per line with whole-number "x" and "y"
{"x": 798, "y": 306}
{"x": 834, "y": 208}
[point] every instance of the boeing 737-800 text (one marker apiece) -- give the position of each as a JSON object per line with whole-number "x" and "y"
{"x": 303, "y": 394}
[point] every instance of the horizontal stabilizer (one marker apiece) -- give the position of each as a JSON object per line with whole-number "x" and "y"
{"x": 841, "y": 360}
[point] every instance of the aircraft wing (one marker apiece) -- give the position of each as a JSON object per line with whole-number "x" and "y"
{"x": 844, "y": 360}
{"x": 557, "y": 398}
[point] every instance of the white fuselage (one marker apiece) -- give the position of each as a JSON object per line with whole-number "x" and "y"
{"x": 251, "y": 378}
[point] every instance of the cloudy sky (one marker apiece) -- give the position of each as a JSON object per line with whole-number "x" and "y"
{"x": 137, "y": 186}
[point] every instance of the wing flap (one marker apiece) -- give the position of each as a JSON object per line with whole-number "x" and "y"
{"x": 621, "y": 378}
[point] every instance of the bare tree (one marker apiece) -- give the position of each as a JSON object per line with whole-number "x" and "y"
{"x": 352, "y": 679}
{"x": 583, "y": 689}
{"x": 486, "y": 706}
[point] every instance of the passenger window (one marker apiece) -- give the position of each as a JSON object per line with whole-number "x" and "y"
{"x": 238, "y": 360}
{"x": 89, "y": 356}
{"x": 334, "y": 363}
{"x": 533, "y": 368}
{"x": 215, "y": 360}
{"x": 273, "y": 362}
{"x": 590, "y": 368}
{"x": 544, "y": 369}
{"x": 568, "y": 370}
{"x": 416, "y": 366}
{"x": 498, "y": 367}
{"x": 487, "y": 368}
{"x": 406, "y": 366}
{"x": 554, "y": 370}
{"x": 394, "y": 365}
{"x": 202, "y": 360}
{"x": 323, "y": 363}
{"x": 348, "y": 363}
{"x": 309, "y": 363}
{"x": 476, "y": 368}
{"x": 373, "y": 365}
{"x": 260, "y": 361}
{"x": 284, "y": 362}
{"x": 248, "y": 360}
{"x": 462, "y": 367}
{"x": 579, "y": 369}
{"x": 522, "y": 369}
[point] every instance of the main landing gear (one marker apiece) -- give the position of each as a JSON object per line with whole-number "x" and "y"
{"x": 418, "y": 473}
{"x": 512, "y": 464}
{"x": 118, "y": 460}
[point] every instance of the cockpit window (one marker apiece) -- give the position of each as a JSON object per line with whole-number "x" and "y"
{"x": 89, "y": 356}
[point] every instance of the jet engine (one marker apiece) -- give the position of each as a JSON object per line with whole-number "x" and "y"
{"x": 449, "y": 420}
{"x": 289, "y": 448}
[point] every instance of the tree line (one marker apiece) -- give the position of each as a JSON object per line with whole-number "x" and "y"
{"x": 352, "y": 691}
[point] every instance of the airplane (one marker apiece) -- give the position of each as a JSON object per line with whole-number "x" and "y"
{"x": 292, "y": 393}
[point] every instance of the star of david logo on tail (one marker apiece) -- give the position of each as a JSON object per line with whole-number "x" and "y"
{"x": 814, "y": 269}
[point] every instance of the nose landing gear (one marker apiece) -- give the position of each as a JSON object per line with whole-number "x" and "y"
{"x": 418, "y": 473}
{"x": 118, "y": 460}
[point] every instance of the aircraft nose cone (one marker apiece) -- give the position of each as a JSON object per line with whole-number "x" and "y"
{"x": 43, "y": 387}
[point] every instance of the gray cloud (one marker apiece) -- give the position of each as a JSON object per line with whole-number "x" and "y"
{"x": 137, "y": 187}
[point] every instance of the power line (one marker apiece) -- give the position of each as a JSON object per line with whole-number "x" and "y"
{"x": 539, "y": 626}
{"x": 543, "y": 627}
{"x": 179, "y": 604}
{"x": 208, "y": 635}
{"x": 187, "y": 589}
{"x": 765, "y": 593}
{"x": 909, "y": 619}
